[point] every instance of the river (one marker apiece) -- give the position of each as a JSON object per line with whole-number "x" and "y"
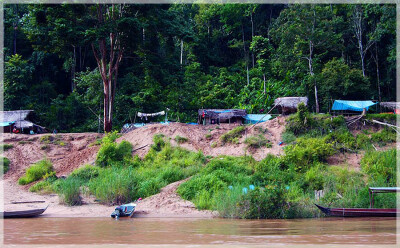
{"x": 368, "y": 231}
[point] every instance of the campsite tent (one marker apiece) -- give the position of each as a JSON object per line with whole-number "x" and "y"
{"x": 343, "y": 105}
{"x": 256, "y": 118}
{"x": 20, "y": 119}
{"x": 287, "y": 105}
{"x": 217, "y": 116}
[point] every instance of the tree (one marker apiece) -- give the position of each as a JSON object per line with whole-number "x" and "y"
{"x": 305, "y": 32}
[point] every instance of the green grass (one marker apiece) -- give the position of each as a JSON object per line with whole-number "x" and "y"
{"x": 233, "y": 135}
{"x": 288, "y": 137}
{"x": 69, "y": 191}
{"x": 180, "y": 139}
{"x": 5, "y": 147}
{"x": 5, "y": 162}
{"x": 37, "y": 171}
{"x": 257, "y": 141}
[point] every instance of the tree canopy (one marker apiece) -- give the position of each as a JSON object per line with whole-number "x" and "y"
{"x": 189, "y": 56}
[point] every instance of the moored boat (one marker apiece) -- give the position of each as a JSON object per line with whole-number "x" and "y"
{"x": 125, "y": 210}
{"x": 359, "y": 212}
{"x": 365, "y": 212}
{"x": 23, "y": 213}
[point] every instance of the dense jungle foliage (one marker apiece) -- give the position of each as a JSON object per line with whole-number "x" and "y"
{"x": 190, "y": 56}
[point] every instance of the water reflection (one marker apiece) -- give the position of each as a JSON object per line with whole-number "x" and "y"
{"x": 199, "y": 231}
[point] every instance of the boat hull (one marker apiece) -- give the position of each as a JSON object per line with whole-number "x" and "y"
{"x": 359, "y": 212}
{"x": 23, "y": 214}
{"x": 126, "y": 210}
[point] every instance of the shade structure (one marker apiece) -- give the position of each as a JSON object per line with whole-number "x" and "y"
{"x": 352, "y": 105}
{"x": 256, "y": 118}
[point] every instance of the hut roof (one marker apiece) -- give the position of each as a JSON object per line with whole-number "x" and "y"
{"x": 223, "y": 113}
{"x": 391, "y": 105}
{"x": 290, "y": 102}
{"x": 13, "y": 116}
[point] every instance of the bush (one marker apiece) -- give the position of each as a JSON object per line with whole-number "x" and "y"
{"x": 111, "y": 153}
{"x": 306, "y": 152}
{"x": 256, "y": 141}
{"x": 288, "y": 137}
{"x": 86, "y": 173}
{"x": 180, "y": 139}
{"x": 5, "y": 162}
{"x": 69, "y": 190}
{"x": 389, "y": 118}
{"x": 37, "y": 171}
{"x": 45, "y": 186}
{"x": 362, "y": 141}
{"x": 5, "y": 147}
{"x": 262, "y": 204}
{"x": 230, "y": 136}
{"x": 380, "y": 164}
{"x": 342, "y": 140}
{"x": 386, "y": 135}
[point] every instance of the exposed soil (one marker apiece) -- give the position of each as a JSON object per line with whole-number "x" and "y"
{"x": 73, "y": 150}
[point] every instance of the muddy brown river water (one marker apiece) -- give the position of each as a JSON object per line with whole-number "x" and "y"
{"x": 58, "y": 231}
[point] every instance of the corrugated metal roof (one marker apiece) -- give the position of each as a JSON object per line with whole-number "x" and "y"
{"x": 16, "y": 115}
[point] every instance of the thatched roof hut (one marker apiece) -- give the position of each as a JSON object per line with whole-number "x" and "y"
{"x": 20, "y": 119}
{"x": 216, "y": 116}
{"x": 390, "y": 105}
{"x": 287, "y": 105}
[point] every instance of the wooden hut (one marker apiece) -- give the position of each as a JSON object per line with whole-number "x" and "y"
{"x": 21, "y": 120}
{"x": 288, "y": 105}
{"x": 392, "y": 106}
{"x": 217, "y": 116}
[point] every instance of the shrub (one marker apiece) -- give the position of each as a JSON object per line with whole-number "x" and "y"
{"x": 45, "y": 186}
{"x": 180, "y": 139}
{"x": 230, "y": 136}
{"x": 389, "y": 118}
{"x": 213, "y": 144}
{"x": 5, "y": 162}
{"x": 115, "y": 185}
{"x": 306, "y": 152}
{"x": 288, "y": 137}
{"x": 111, "y": 153}
{"x": 37, "y": 171}
{"x": 5, "y": 147}
{"x": 159, "y": 142}
{"x": 208, "y": 136}
{"x": 362, "y": 141}
{"x": 262, "y": 204}
{"x": 380, "y": 164}
{"x": 384, "y": 136}
{"x": 86, "y": 173}
{"x": 69, "y": 190}
{"x": 342, "y": 140}
{"x": 256, "y": 141}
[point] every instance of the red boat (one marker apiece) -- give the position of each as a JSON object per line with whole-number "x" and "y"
{"x": 365, "y": 212}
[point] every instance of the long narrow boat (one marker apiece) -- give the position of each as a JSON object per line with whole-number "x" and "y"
{"x": 365, "y": 212}
{"x": 23, "y": 213}
{"x": 360, "y": 212}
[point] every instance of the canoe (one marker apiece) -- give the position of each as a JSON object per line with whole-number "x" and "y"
{"x": 359, "y": 212}
{"x": 23, "y": 213}
{"x": 125, "y": 210}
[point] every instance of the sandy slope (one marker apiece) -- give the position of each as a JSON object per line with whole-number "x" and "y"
{"x": 78, "y": 149}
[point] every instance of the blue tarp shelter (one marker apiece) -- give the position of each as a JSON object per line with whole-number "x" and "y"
{"x": 352, "y": 105}
{"x": 254, "y": 118}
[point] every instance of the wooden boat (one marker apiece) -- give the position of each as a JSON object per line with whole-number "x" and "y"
{"x": 359, "y": 212}
{"x": 365, "y": 212}
{"x": 23, "y": 213}
{"x": 125, "y": 210}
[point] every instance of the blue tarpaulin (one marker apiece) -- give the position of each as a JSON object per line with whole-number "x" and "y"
{"x": 5, "y": 124}
{"x": 352, "y": 105}
{"x": 254, "y": 118}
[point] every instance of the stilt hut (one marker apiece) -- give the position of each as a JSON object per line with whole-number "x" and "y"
{"x": 288, "y": 105}
{"x": 217, "y": 116}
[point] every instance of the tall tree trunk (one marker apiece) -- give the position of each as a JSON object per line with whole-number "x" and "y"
{"x": 376, "y": 59}
{"x": 108, "y": 63}
{"x": 265, "y": 91}
{"x": 73, "y": 69}
{"x": 15, "y": 30}
{"x": 181, "y": 52}
{"x": 252, "y": 35}
{"x": 245, "y": 56}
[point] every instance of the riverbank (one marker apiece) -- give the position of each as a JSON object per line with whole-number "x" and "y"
{"x": 166, "y": 204}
